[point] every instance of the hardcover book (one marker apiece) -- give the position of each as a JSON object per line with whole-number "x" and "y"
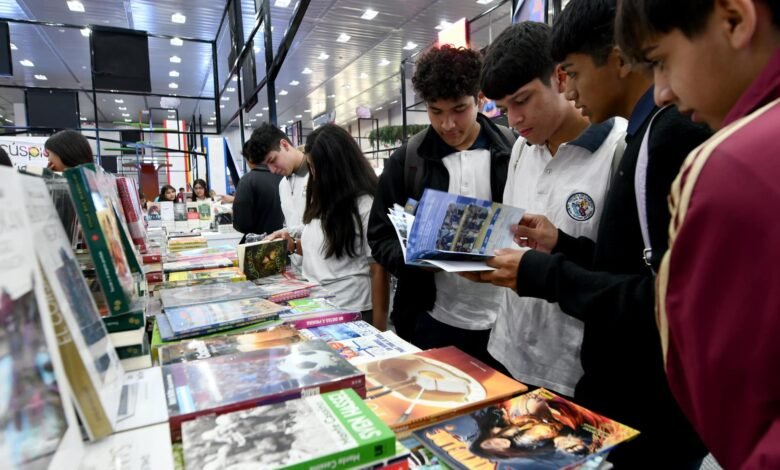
{"x": 414, "y": 390}
{"x": 340, "y": 331}
{"x": 196, "y": 349}
{"x": 238, "y": 381}
{"x": 538, "y": 430}
{"x": 218, "y": 292}
{"x": 332, "y": 430}
{"x": 131, "y": 205}
{"x": 193, "y": 319}
{"x": 262, "y": 259}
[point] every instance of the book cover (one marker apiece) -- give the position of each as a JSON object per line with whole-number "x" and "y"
{"x": 180, "y": 212}
{"x": 167, "y": 214}
{"x": 417, "y": 389}
{"x": 226, "y": 251}
{"x": 284, "y": 286}
{"x": 95, "y": 371}
{"x": 538, "y": 430}
{"x": 196, "y": 349}
{"x": 131, "y": 206}
{"x": 193, "y": 318}
{"x": 108, "y": 188}
{"x": 238, "y": 381}
{"x": 204, "y": 262}
{"x": 205, "y": 276}
{"x": 370, "y": 348}
{"x": 143, "y": 448}
{"x": 193, "y": 216}
{"x": 219, "y": 292}
{"x": 340, "y": 331}
{"x": 154, "y": 215}
{"x": 262, "y": 259}
{"x": 332, "y": 430}
{"x": 311, "y": 305}
{"x": 205, "y": 213}
{"x": 315, "y": 320}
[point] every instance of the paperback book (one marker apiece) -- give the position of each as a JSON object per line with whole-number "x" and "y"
{"x": 371, "y": 348}
{"x": 262, "y": 259}
{"x": 332, "y": 430}
{"x": 218, "y": 292}
{"x": 225, "y": 251}
{"x": 154, "y": 215}
{"x": 163, "y": 335}
{"x": 416, "y": 390}
{"x": 315, "y": 320}
{"x": 131, "y": 205}
{"x": 341, "y": 331}
{"x": 205, "y": 276}
{"x": 538, "y": 430}
{"x": 254, "y": 378}
{"x": 194, "y": 319}
{"x": 203, "y": 262}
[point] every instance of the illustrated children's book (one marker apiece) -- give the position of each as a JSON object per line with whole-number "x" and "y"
{"x": 538, "y": 430}
{"x": 262, "y": 259}
{"x": 332, "y": 430}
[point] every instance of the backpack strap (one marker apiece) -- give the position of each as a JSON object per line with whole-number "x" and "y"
{"x": 414, "y": 165}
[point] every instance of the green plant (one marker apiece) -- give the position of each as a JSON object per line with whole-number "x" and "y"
{"x": 390, "y": 135}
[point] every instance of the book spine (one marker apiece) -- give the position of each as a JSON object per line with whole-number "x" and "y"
{"x": 151, "y": 258}
{"x": 155, "y": 276}
{"x": 327, "y": 319}
{"x": 124, "y": 321}
{"x": 127, "y": 352}
{"x": 116, "y": 298}
{"x": 296, "y": 294}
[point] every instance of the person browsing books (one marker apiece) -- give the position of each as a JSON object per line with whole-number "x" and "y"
{"x": 167, "y": 193}
{"x": 68, "y": 149}
{"x": 256, "y": 206}
{"x": 200, "y": 191}
{"x": 333, "y": 241}
{"x": 461, "y": 152}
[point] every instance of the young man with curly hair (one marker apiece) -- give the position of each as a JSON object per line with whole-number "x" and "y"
{"x": 462, "y": 152}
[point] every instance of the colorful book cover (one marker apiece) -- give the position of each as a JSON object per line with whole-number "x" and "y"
{"x": 220, "y": 292}
{"x": 414, "y": 390}
{"x": 101, "y": 231}
{"x": 310, "y": 305}
{"x": 538, "y": 430}
{"x": 163, "y": 335}
{"x": 180, "y": 212}
{"x": 332, "y": 430}
{"x": 204, "y": 262}
{"x": 203, "y": 276}
{"x": 238, "y": 381}
{"x": 370, "y": 348}
{"x": 220, "y": 315}
{"x": 262, "y": 259}
{"x": 284, "y": 286}
{"x": 340, "y": 331}
{"x": 195, "y": 349}
{"x": 226, "y": 251}
{"x": 131, "y": 205}
{"x": 154, "y": 215}
{"x": 315, "y": 320}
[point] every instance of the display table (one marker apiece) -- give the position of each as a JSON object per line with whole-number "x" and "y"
{"x": 218, "y": 239}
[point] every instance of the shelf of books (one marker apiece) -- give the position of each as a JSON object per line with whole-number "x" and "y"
{"x": 128, "y": 342}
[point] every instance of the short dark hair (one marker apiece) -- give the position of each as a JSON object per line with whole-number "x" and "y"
{"x": 448, "y": 73}
{"x": 264, "y": 139}
{"x": 585, "y": 27}
{"x": 72, "y": 148}
{"x": 519, "y": 55}
{"x": 5, "y": 160}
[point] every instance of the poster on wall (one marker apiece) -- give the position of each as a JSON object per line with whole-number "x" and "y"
{"x": 26, "y": 151}
{"x": 530, "y": 10}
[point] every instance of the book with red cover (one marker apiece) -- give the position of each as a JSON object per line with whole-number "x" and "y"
{"x": 419, "y": 389}
{"x": 238, "y": 381}
{"x": 131, "y": 206}
{"x": 321, "y": 319}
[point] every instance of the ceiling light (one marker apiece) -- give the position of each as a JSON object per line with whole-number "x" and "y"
{"x": 323, "y": 56}
{"x": 175, "y": 59}
{"x": 343, "y": 37}
{"x": 253, "y": 120}
{"x": 221, "y": 106}
{"x": 369, "y": 14}
{"x": 230, "y": 89}
{"x": 331, "y": 96}
{"x": 394, "y": 102}
{"x": 384, "y": 63}
{"x": 41, "y": 77}
{"x": 173, "y": 85}
{"x": 125, "y": 115}
{"x": 484, "y": 2}
{"x": 307, "y": 110}
{"x": 298, "y": 116}
{"x": 378, "y": 109}
{"x": 256, "y": 49}
{"x": 13, "y": 47}
{"x": 128, "y": 120}
{"x": 83, "y": 118}
{"x": 176, "y": 42}
{"x": 225, "y": 98}
{"x": 363, "y": 75}
{"x": 444, "y": 24}
{"x": 235, "y": 78}
{"x": 27, "y": 63}
{"x": 411, "y": 45}
{"x": 283, "y": 93}
{"x": 290, "y": 121}
{"x": 86, "y": 32}
{"x": 282, "y": 3}
{"x": 123, "y": 108}
{"x": 258, "y": 114}
{"x": 173, "y": 74}
{"x": 295, "y": 83}
{"x": 178, "y": 18}
{"x": 306, "y": 71}
{"x": 265, "y": 108}
{"x": 74, "y": 5}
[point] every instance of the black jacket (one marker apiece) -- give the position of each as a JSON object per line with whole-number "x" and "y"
{"x": 257, "y": 207}
{"x": 416, "y": 290}
{"x": 608, "y": 286}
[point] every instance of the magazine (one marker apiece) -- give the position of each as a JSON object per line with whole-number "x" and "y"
{"x": 538, "y": 430}
{"x": 454, "y": 232}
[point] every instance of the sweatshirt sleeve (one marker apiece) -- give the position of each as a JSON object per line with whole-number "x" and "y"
{"x": 243, "y": 205}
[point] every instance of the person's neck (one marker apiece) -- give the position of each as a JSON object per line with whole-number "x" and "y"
{"x": 473, "y": 136}
{"x": 637, "y": 85}
{"x": 571, "y": 127}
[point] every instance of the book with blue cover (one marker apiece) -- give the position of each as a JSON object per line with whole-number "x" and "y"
{"x": 220, "y": 315}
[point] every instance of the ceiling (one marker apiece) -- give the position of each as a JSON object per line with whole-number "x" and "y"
{"x": 364, "y": 71}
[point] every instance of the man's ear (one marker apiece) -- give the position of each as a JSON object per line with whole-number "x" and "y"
{"x": 619, "y": 62}
{"x": 738, "y": 20}
{"x": 559, "y": 79}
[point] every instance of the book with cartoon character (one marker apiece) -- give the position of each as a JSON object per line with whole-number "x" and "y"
{"x": 238, "y": 381}
{"x": 538, "y": 430}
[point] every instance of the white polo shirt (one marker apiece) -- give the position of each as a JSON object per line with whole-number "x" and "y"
{"x": 292, "y": 193}
{"x": 532, "y": 338}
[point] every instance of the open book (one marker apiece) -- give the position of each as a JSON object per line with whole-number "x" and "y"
{"x": 453, "y": 232}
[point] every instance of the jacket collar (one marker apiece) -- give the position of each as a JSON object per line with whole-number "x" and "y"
{"x": 433, "y": 147}
{"x": 765, "y": 88}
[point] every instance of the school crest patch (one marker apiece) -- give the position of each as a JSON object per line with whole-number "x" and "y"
{"x": 580, "y": 207}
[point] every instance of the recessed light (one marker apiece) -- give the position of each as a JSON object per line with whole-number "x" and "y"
{"x": 295, "y": 83}
{"x": 258, "y": 114}
{"x": 27, "y": 63}
{"x": 283, "y": 93}
{"x": 83, "y": 118}
{"x": 290, "y": 121}
{"x": 41, "y": 77}
{"x": 178, "y": 18}
{"x": 384, "y": 63}
{"x": 444, "y": 24}
{"x": 119, "y": 101}
{"x": 235, "y": 78}
{"x": 128, "y": 120}
{"x": 363, "y": 75}
{"x": 125, "y": 115}
{"x": 13, "y": 47}
{"x": 225, "y": 98}
{"x": 253, "y": 120}
{"x": 484, "y": 2}
{"x": 394, "y": 102}
{"x": 74, "y": 5}
{"x": 369, "y": 14}
{"x": 323, "y": 56}
{"x": 331, "y": 96}
{"x": 298, "y": 116}
{"x": 177, "y": 42}
{"x": 306, "y": 71}
{"x": 379, "y": 108}
{"x": 307, "y": 110}
{"x": 175, "y": 59}
{"x": 86, "y": 32}
{"x": 410, "y": 45}
{"x": 173, "y": 73}
{"x": 173, "y": 85}
{"x": 122, "y": 108}
{"x": 265, "y": 108}
{"x": 346, "y": 86}
{"x": 230, "y": 89}
{"x": 282, "y": 3}
{"x": 343, "y": 37}
{"x": 221, "y": 106}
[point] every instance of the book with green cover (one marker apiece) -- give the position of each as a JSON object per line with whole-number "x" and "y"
{"x": 332, "y": 430}
{"x": 262, "y": 259}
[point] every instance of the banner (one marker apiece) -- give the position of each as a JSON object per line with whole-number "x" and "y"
{"x": 26, "y": 151}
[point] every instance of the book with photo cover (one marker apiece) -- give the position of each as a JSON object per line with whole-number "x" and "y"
{"x": 370, "y": 348}
{"x": 262, "y": 259}
{"x": 193, "y": 264}
{"x": 538, "y": 430}
{"x": 193, "y": 319}
{"x": 454, "y": 232}
{"x": 162, "y": 334}
{"x": 238, "y": 381}
{"x": 218, "y": 292}
{"x": 341, "y": 331}
{"x": 332, "y": 430}
{"x": 416, "y": 390}
{"x": 131, "y": 205}
{"x": 196, "y": 349}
